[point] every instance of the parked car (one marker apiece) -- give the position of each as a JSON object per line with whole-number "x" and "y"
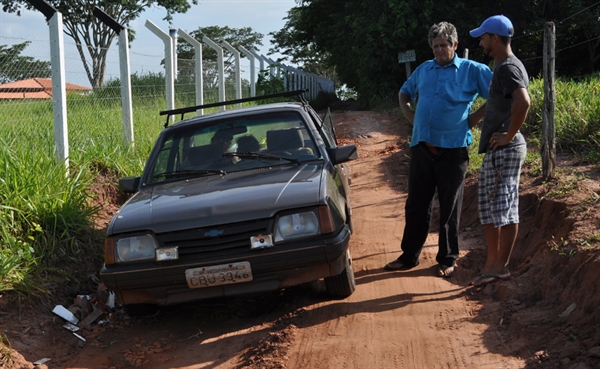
{"x": 235, "y": 202}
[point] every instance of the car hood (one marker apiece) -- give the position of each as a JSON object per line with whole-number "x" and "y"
{"x": 210, "y": 200}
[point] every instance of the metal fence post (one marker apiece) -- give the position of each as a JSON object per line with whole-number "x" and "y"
{"x": 220, "y": 67}
{"x": 238, "y": 69}
{"x": 250, "y": 57}
{"x": 197, "y": 68}
{"x": 126, "y": 99}
{"x": 169, "y": 77}
{"x": 59, "y": 90}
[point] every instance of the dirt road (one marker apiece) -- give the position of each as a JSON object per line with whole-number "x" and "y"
{"x": 410, "y": 319}
{"x": 546, "y": 316}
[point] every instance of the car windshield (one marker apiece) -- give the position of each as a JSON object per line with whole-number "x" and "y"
{"x": 222, "y": 146}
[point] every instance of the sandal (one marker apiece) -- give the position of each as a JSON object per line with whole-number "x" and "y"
{"x": 446, "y": 271}
{"x": 485, "y": 279}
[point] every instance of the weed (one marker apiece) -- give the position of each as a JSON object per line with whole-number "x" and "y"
{"x": 591, "y": 241}
{"x": 561, "y": 247}
{"x": 6, "y": 359}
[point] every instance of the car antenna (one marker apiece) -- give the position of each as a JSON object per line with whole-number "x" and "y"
{"x": 190, "y": 109}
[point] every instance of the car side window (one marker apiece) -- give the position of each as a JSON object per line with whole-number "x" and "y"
{"x": 329, "y": 129}
{"x": 325, "y": 128}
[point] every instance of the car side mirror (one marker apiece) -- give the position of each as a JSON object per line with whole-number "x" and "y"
{"x": 342, "y": 154}
{"x": 129, "y": 185}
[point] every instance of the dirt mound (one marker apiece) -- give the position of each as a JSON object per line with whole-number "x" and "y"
{"x": 549, "y": 311}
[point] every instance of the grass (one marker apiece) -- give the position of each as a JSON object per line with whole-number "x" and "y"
{"x": 45, "y": 208}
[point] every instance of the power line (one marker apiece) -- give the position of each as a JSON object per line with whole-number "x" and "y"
{"x": 581, "y": 43}
{"x": 582, "y": 10}
{"x": 562, "y": 21}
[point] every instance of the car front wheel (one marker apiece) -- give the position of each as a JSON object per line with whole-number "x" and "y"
{"x": 343, "y": 284}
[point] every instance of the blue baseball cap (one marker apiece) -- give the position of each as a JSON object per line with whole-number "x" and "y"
{"x": 496, "y": 25}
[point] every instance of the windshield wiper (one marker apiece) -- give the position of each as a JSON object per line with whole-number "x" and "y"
{"x": 183, "y": 173}
{"x": 257, "y": 155}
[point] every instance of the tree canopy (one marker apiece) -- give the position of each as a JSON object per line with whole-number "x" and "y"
{"x": 92, "y": 37}
{"x": 16, "y": 67}
{"x": 361, "y": 39}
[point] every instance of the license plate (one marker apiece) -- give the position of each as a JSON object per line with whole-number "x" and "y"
{"x": 216, "y": 275}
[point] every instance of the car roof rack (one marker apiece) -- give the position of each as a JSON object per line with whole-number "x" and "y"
{"x": 183, "y": 111}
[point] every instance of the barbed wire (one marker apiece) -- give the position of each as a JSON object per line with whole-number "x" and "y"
{"x": 560, "y": 22}
{"x": 581, "y": 11}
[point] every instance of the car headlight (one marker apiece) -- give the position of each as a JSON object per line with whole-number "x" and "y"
{"x": 296, "y": 225}
{"x": 134, "y": 248}
{"x": 304, "y": 224}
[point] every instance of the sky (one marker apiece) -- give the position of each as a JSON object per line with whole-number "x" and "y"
{"x": 147, "y": 50}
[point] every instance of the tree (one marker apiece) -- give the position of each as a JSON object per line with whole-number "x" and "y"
{"x": 236, "y": 37}
{"x": 297, "y": 49}
{"x": 16, "y": 67}
{"x": 361, "y": 39}
{"x": 92, "y": 37}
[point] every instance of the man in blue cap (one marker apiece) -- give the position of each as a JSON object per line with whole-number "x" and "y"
{"x": 446, "y": 87}
{"x": 504, "y": 147}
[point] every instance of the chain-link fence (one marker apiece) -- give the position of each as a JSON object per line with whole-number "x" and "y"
{"x": 26, "y": 87}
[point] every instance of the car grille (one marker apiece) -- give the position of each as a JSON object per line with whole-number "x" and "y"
{"x": 215, "y": 240}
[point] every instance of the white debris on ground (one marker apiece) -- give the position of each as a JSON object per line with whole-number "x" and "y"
{"x": 86, "y": 310}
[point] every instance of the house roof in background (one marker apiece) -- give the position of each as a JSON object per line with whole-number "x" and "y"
{"x": 34, "y": 88}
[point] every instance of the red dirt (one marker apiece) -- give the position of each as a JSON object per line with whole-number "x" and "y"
{"x": 546, "y": 316}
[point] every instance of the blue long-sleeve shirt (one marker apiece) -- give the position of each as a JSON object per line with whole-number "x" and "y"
{"x": 444, "y": 98}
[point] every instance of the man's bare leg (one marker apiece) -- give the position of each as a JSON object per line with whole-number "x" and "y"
{"x": 508, "y": 236}
{"x": 492, "y": 238}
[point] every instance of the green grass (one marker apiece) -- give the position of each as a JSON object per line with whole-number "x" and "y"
{"x": 577, "y": 116}
{"x": 45, "y": 209}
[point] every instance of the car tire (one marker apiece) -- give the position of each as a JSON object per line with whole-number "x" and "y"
{"x": 349, "y": 220}
{"x": 134, "y": 310}
{"x": 343, "y": 284}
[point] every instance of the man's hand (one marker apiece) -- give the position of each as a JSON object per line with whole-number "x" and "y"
{"x": 499, "y": 139}
{"x": 405, "y": 105}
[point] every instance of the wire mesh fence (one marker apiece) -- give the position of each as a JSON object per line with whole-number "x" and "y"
{"x": 26, "y": 91}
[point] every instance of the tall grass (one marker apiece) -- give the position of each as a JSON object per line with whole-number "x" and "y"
{"x": 577, "y": 116}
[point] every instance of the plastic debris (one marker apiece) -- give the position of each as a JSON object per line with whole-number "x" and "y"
{"x": 62, "y": 312}
{"x": 71, "y": 327}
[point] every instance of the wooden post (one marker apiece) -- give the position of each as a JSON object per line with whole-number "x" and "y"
{"x": 408, "y": 71}
{"x": 548, "y": 149}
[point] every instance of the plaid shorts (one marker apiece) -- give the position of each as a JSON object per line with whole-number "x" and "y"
{"x": 499, "y": 186}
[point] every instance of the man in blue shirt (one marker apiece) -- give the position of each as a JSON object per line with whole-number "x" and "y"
{"x": 443, "y": 90}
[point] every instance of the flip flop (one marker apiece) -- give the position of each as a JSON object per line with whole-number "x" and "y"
{"x": 446, "y": 271}
{"x": 485, "y": 279}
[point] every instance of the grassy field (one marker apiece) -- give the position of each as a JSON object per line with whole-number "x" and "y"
{"x": 45, "y": 209}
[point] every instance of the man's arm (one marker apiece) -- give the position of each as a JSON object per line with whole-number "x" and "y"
{"x": 476, "y": 116}
{"x": 405, "y": 105}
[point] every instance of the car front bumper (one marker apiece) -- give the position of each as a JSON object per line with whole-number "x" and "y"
{"x": 274, "y": 268}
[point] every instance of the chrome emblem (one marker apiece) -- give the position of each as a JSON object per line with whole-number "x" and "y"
{"x": 213, "y": 233}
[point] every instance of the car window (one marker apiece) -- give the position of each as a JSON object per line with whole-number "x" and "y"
{"x": 325, "y": 128}
{"x": 234, "y": 144}
{"x": 329, "y": 130}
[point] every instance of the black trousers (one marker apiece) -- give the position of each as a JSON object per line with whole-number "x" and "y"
{"x": 443, "y": 171}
